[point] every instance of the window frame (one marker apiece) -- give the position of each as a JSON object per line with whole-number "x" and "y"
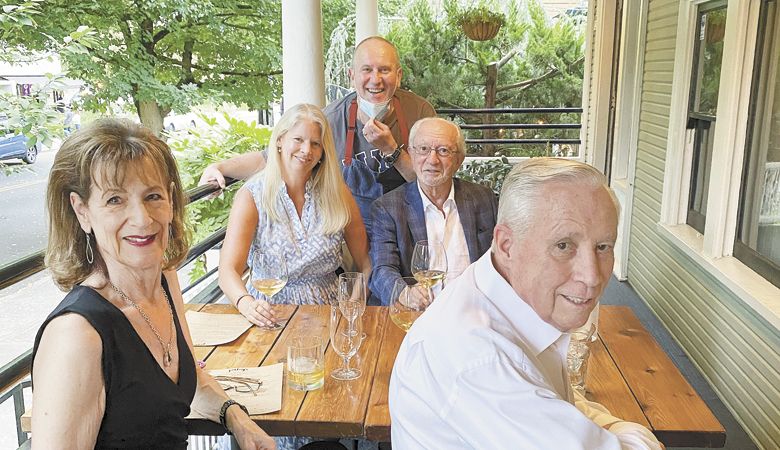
{"x": 743, "y": 252}
{"x": 713, "y": 249}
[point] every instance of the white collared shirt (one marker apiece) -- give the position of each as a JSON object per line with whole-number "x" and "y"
{"x": 445, "y": 227}
{"x": 480, "y": 369}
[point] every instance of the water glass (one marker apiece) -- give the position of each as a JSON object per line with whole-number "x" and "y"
{"x": 305, "y": 363}
{"x": 352, "y": 291}
{"x": 578, "y": 355}
{"x": 346, "y": 336}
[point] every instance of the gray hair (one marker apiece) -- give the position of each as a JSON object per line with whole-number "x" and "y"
{"x": 461, "y": 142}
{"x": 522, "y": 185}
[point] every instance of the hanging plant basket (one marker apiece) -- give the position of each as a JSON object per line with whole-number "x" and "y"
{"x": 481, "y": 23}
{"x": 481, "y": 31}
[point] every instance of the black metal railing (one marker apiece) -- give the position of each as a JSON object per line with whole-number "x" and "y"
{"x": 490, "y": 127}
{"x": 14, "y": 371}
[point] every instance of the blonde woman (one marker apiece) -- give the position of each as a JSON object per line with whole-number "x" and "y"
{"x": 299, "y": 207}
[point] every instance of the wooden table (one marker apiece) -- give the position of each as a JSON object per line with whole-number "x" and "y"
{"x": 629, "y": 374}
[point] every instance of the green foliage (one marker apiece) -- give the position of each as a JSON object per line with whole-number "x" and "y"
{"x": 540, "y": 65}
{"x": 32, "y": 116}
{"x": 481, "y": 12}
{"x": 487, "y": 172}
{"x": 172, "y": 53}
{"x": 199, "y": 147}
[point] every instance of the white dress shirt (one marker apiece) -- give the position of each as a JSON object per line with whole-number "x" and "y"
{"x": 445, "y": 227}
{"x": 479, "y": 369}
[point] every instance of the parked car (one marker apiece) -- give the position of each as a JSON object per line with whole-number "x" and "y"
{"x": 14, "y": 145}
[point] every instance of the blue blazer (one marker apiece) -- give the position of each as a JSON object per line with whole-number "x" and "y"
{"x": 398, "y": 221}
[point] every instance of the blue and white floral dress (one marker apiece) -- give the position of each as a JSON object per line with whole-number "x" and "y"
{"x": 312, "y": 257}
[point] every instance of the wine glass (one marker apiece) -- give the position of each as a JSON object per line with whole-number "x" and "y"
{"x": 429, "y": 264}
{"x": 269, "y": 276}
{"x": 408, "y": 300}
{"x": 345, "y": 337}
{"x": 352, "y": 288}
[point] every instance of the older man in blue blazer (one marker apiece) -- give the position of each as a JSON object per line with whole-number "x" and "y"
{"x": 436, "y": 207}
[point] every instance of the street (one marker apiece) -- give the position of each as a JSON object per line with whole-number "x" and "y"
{"x": 22, "y": 202}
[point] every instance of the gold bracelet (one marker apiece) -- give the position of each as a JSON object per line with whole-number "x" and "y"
{"x": 238, "y": 300}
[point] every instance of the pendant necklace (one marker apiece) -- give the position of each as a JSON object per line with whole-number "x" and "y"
{"x": 166, "y": 346}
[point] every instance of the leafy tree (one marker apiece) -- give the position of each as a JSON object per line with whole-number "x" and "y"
{"x": 197, "y": 148}
{"x": 532, "y": 62}
{"x": 166, "y": 55}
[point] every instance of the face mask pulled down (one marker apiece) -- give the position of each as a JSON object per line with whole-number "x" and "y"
{"x": 373, "y": 110}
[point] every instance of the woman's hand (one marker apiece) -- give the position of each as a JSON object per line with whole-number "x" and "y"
{"x": 259, "y": 312}
{"x": 248, "y": 435}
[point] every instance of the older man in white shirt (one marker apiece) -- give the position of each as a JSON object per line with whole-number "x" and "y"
{"x": 485, "y": 365}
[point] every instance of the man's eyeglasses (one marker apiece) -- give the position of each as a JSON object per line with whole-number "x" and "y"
{"x": 424, "y": 150}
{"x": 241, "y": 385}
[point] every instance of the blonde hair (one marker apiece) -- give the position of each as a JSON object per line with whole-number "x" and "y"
{"x": 326, "y": 178}
{"x": 96, "y": 155}
{"x": 523, "y": 184}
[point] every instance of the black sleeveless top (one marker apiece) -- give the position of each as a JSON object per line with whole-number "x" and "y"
{"x": 145, "y": 409}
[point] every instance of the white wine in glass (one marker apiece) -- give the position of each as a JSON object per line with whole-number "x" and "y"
{"x": 429, "y": 264}
{"x": 269, "y": 276}
{"x": 429, "y": 278}
{"x": 408, "y": 301}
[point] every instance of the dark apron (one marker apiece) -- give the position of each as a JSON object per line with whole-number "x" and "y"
{"x": 361, "y": 171}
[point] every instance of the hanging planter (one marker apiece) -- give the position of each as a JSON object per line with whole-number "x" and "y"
{"x": 480, "y": 23}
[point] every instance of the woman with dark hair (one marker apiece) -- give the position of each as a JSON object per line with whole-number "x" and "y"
{"x": 113, "y": 364}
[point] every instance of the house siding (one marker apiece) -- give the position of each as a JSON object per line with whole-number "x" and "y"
{"x": 737, "y": 351}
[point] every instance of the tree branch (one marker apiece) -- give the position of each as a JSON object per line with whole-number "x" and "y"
{"x": 522, "y": 85}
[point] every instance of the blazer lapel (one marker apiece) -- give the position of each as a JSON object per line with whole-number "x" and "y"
{"x": 467, "y": 212}
{"x": 416, "y": 213}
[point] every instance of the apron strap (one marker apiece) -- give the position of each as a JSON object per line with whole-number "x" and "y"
{"x": 351, "y": 125}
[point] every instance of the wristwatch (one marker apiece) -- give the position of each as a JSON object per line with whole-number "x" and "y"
{"x": 393, "y": 157}
{"x": 223, "y": 411}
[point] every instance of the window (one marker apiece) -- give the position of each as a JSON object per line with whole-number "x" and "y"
{"x": 729, "y": 178}
{"x": 757, "y": 242}
{"x": 703, "y": 104}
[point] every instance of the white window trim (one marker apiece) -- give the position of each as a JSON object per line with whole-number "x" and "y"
{"x": 712, "y": 251}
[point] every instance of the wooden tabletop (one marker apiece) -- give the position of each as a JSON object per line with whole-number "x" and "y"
{"x": 629, "y": 374}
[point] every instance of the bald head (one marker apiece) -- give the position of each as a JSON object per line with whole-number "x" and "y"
{"x": 376, "y": 70}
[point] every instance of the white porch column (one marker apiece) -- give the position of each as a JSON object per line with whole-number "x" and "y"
{"x": 303, "y": 69}
{"x": 366, "y": 19}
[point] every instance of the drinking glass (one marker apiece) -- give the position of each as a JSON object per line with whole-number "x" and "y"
{"x": 352, "y": 288}
{"x": 305, "y": 363}
{"x": 269, "y": 276}
{"x": 408, "y": 300}
{"x": 429, "y": 264}
{"x": 578, "y": 355}
{"x": 343, "y": 323}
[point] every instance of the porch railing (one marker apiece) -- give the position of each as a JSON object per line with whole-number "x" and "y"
{"x": 490, "y": 129}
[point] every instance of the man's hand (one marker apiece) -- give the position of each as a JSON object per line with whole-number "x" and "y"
{"x": 379, "y": 135}
{"x": 415, "y": 297}
{"x": 212, "y": 175}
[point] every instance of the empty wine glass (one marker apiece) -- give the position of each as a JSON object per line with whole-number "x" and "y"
{"x": 269, "y": 276}
{"x": 408, "y": 301}
{"x": 342, "y": 340}
{"x": 352, "y": 288}
{"x": 429, "y": 264}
